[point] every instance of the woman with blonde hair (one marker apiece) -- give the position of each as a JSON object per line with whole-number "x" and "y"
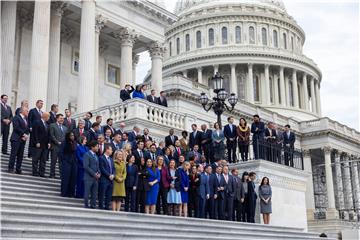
{"x": 184, "y": 188}
{"x": 119, "y": 192}
{"x": 127, "y": 148}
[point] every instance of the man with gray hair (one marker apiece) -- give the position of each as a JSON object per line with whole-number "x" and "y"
{"x": 80, "y": 130}
{"x": 18, "y": 139}
{"x": 42, "y": 144}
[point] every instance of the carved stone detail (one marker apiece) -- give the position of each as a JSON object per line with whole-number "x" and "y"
{"x": 157, "y": 49}
{"x": 100, "y": 22}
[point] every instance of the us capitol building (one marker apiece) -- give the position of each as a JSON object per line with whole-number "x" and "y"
{"x": 81, "y": 53}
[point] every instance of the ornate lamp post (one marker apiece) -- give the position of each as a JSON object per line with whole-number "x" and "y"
{"x": 218, "y": 103}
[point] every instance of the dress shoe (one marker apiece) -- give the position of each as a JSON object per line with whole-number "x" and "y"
{"x": 10, "y": 171}
{"x": 18, "y": 172}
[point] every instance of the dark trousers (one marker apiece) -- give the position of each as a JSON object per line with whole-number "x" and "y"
{"x": 5, "y": 128}
{"x": 251, "y": 212}
{"x": 68, "y": 178}
{"x": 231, "y": 151}
{"x": 39, "y": 161}
{"x": 228, "y": 208}
{"x": 202, "y": 205}
{"x": 193, "y": 206}
{"x": 16, "y": 154}
{"x": 105, "y": 194}
{"x": 243, "y": 211}
{"x": 244, "y": 152}
{"x": 162, "y": 197}
{"x": 288, "y": 156}
{"x": 140, "y": 201}
{"x": 237, "y": 210}
{"x": 90, "y": 191}
{"x": 210, "y": 208}
{"x": 207, "y": 152}
{"x": 258, "y": 149}
{"x": 219, "y": 208}
{"x": 54, "y": 155}
{"x": 130, "y": 200}
{"x": 31, "y": 145}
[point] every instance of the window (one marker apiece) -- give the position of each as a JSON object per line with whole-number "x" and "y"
{"x": 237, "y": 34}
{"x": 187, "y": 42}
{"x": 224, "y": 35}
{"x": 256, "y": 89}
{"x": 292, "y": 43}
{"x": 211, "y": 37}
{"x": 251, "y": 35}
{"x": 198, "y": 39}
{"x": 75, "y": 62}
{"x": 264, "y": 36}
{"x": 285, "y": 40}
{"x": 113, "y": 74}
{"x": 170, "y": 48}
{"x": 178, "y": 46}
{"x": 275, "y": 37}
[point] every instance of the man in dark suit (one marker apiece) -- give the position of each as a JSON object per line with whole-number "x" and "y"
{"x": 6, "y": 117}
{"x": 146, "y": 136}
{"x": 239, "y": 195}
{"x": 57, "y": 136}
{"x": 24, "y": 103}
{"x": 258, "y": 130}
{"x": 231, "y": 143}
{"x": 116, "y": 142}
{"x": 228, "y": 194}
{"x": 171, "y": 138}
{"x": 107, "y": 170}
{"x": 109, "y": 125}
{"x": 87, "y": 118}
{"x": 34, "y": 115}
{"x": 288, "y": 142}
{"x": 133, "y": 136}
{"x": 152, "y": 98}
{"x": 270, "y": 139}
{"x": 80, "y": 130}
{"x": 220, "y": 196}
{"x": 194, "y": 154}
{"x": 125, "y": 93}
{"x": 91, "y": 175}
{"x": 195, "y": 137}
{"x": 54, "y": 111}
{"x": 178, "y": 151}
{"x": 206, "y": 140}
{"x": 68, "y": 121}
{"x": 121, "y": 128}
{"x": 139, "y": 153}
{"x": 213, "y": 185}
{"x": 42, "y": 143}
{"x": 101, "y": 142}
{"x": 162, "y": 99}
{"x": 92, "y": 133}
{"x": 203, "y": 191}
{"x": 152, "y": 153}
{"x": 251, "y": 198}
{"x": 18, "y": 139}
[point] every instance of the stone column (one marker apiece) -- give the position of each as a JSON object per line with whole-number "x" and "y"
{"x": 266, "y": 97}
{"x": 312, "y": 92}
{"x": 127, "y": 37}
{"x": 250, "y": 84}
{"x": 157, "y": 51}
{"x": 356, "y": 186}
{"x": 309, "y": 195}
{"x": 54, "y": 52}
{"x": 305, "y": 92}
{"x": 39, "y": 63}
{"x": 99, "y": 24}
{"x": 339, "y": 182}
{"x": 136, "y": 58}
{"x": 276, "y": 91}
{"x": 233, "y": 83}
{"x": 295, "y": 89}
{"x": 8, "y": 27}
{"x": 282, "y": 87}
{"x": 348, "y": 196}
{"x": 317, "y": 93}
{"x": 200, "y": 79}
{"x": 331, "y": 212}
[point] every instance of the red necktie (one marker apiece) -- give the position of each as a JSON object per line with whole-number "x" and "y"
{"x": 179, "y": 151}
{"x": 81, "y": 132}
{"x": 100, "y": 150}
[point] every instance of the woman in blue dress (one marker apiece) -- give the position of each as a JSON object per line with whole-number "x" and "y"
{"x": 184, "y": 187}
{"x": 174, "y": 194}
{"x": 80, "y": 151}
{"x": 138, "y": 92}
{"x": 153, "y": 179}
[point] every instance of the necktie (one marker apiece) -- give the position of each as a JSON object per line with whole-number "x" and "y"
{"x": 179, "y": 152}
{"x": 25, "y": 122}
{"x": 218, "y": 177}
{"x": 100, "y": 150}
{"x": 5, "y": 106}
{"x": 230, "y": 128}
{"x": 140, "y": 153}
{"x": 69, "y": 121}
{"x": 45, "y": 125}
{"x": 81, "y": 132}
{"x": 153, "y": 157}
{"x": 108, "y": 160}
{"x": 61, "y": 128}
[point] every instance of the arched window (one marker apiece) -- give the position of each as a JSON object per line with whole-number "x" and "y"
{"x": 170, "y": 48}
{"x": 211, "y": 37}
{"x": 275, "y": 39}
{"x": 256, "y": 89}
{"x": 264, "y": 36}
{"x": 224, "y": 35}
{"x": 178, "y": 46}
{"x": 187, "y": 42}
{"x": 241, "y": 80}
{"x": 198, "y": 39}
{"x": 251, "y": 35}
{"x": 291, "y": 95}
{"x": 285, "y": 40}
{"x": 292, "y": 43}
{"x": 237, "y": 34}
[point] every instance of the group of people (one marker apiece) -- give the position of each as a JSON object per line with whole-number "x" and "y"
{"x": 140, "y": 92}
{"x": 108, "y": 166}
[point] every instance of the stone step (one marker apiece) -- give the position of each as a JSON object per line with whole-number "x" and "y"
{"x": 50, "y": 202}
{"x": 30, "y": 190}
{"x": 10, "y": 183}
{"x": 36, "y": 197}
{"x": 36, "y": 181}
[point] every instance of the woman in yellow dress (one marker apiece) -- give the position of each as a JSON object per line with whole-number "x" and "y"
{"x": 119, "y": 180}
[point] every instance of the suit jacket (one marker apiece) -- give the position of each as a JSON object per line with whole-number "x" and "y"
{"x": 213, "y": 185}
{"x": 56, "y": 135}
{"x": 258, "y": 134}
{"x": 289, "y": 140}
{"x": 88, "y": 124}
{"x": 70, "y": 125}
{"x": 203, "y": 188}
{"x": 52, "y": 118}
{"x": 252, "y": 196}
{"x": 206, "y": 138}
{"x": 138, "y": 156}
{"x": 106, "y": 169}
{"x": 20, "y": 127}
{"x": 106, "y": 127}
{"x": 221, "y": 183}
{"x": 125, "y": 94}
{"x": 273, "y": 134}
{"x": 239, "y": 189}
{"x": 163, "y": 102}
{"x": 41, "y": 134}
{"x": 131, "y": 176}
{"x": 91, "y": 166}
{"x": 228, "y": 133}
{"x": 195, "y": 140}
{"x": 229, "y": 190}
{"x": 6, "y": 113}
{"x": 168, "y": 141}
{"x": 33, "y": 116}
{"x": 177, "y": 155}
{"x": 152, "y": 99}
{"x": 91, "y": 136}
{"x": 77, "y": 135}
{"x": 146, "y": 138}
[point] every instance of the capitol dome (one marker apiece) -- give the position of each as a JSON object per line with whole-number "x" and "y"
{"x": 255, "y": 45}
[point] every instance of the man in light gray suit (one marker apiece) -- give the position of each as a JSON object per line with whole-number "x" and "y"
{"x": 57, "y": 136}
{"x": 91, "y": 175}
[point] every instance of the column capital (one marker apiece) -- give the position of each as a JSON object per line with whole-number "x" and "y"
{"x": 327, "y": 149}
{"x": 305, "y": 75}
{"x": 199, "y": 68}
{"x": 338, "y": 153}
{"x": 267, "y": 66}
{"x": 294, "y": 71}
{"x": 127, "y": 36}
{"x": 156, "y": 49}
{"x": 250, "y": 65}
{"x": 100, "y": 22}
{"x": 281, "y": 68}
{"x": 233, "y": 65}
{"x": 58, "y": 8}
{"x": 136, "y": 58}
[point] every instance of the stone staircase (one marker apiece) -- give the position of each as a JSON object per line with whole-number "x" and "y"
{"x": 31, "y": 208}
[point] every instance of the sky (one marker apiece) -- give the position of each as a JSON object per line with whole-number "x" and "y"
{"x": 332, "y": 41}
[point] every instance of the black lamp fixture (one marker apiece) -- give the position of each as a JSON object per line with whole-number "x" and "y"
{"x": 218, "y": 103}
